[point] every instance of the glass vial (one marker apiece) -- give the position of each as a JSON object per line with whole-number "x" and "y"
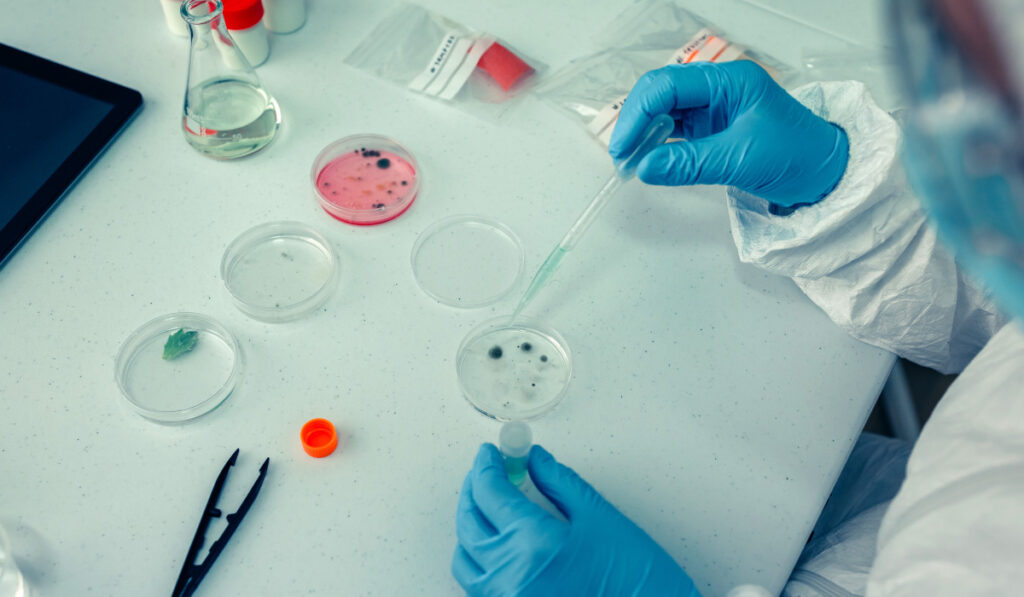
{"x": 514, "y": 441}
{"x": 227, "y": 113}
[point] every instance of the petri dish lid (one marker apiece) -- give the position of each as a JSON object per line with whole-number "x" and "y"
{"x": 187, "y": 386}
{"x": 513, "y": 372}
{"x": 280, "y": 271}
{"x": 467, "y": 261}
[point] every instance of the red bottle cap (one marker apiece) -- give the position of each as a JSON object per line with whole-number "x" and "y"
{"x": 242, "y": 14}
{"x": 505, "y": 67}
{"x": 319, "y": 438}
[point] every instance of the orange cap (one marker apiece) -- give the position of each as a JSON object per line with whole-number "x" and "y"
{"x": 319, "y": 438}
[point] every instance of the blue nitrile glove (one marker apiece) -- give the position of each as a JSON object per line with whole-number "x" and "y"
{"x": 510, "y": 546}
{"x": 741, "y": 129}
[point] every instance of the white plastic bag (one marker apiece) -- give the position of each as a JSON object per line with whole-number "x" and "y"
{"x": 433, "y": 55}
{"x": 647, "y": 36}
{"x": 873, "y": 67}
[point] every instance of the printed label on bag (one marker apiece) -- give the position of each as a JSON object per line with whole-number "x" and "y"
{"x": 691, "y": 47}
{"x": 450, "y": 65}
{"x": 705, "y": 46}
{"x": 604, "y": 123}
{"x": 462, "y": 73}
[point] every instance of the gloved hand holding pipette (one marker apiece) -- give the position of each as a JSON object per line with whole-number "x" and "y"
{"x": 741, "y": 130}
{"x": 651, "y": 135}
{"x": 871, "y": 260}
{"x": 510, "y": 546}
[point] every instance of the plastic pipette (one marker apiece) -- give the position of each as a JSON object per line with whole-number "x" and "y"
{"x": 625, "y": 170}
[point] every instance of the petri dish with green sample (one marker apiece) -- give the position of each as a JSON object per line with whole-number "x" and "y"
{"x": 178, "y": 367}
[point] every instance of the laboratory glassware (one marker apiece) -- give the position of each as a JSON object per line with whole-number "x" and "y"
{"x": 186, "y": 386}
{"x": 365, "y": 179}
{"x": 513, "y": 371}
{"x": 467, "y": 261}
{"x": 280, "y": 271}
{"x": 227, "y": 112}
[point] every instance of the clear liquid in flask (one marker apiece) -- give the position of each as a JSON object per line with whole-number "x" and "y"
{"x": 228, "y": 118}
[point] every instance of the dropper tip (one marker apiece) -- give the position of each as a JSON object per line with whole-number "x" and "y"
{"x": 515, "y": 315}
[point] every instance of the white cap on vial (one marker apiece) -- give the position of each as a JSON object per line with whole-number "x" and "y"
{"x": 515, "y": 439}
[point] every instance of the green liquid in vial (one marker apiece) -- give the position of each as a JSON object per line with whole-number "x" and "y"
{"x": 516, "y": 469}
{"x": 226, "y": 118}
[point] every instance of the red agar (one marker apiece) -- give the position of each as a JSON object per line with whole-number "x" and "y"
{"x": 379, "y": 183}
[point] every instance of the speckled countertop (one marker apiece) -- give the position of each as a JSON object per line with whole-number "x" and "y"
{"x": 710, "y": 401}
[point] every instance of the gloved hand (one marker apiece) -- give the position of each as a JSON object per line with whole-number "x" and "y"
{"x": 741, "y": 129}
{"x": 510, "y": 546}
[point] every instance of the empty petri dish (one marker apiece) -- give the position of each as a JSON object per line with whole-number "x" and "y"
{"x": 280, "y": 271}
{"x": 365, "y": 179}
{"x": 467, "y": 261}
{"x": 513, "y": 372}
{"x": 182, "y": 380}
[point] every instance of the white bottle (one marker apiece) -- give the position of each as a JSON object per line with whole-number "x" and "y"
{"x": 244, "y": 21}
{"x": 172, "y": 14}
{"x": 284, "y": 16}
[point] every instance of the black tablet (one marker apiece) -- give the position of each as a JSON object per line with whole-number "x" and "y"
{"x": 56, "y": 120}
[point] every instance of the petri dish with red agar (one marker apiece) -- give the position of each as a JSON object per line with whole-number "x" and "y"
{"x": 365, "y": 179}
{"x": 513, "y": 371}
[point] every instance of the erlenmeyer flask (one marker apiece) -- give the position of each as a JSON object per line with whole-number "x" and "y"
{"x": 227, "y": 112}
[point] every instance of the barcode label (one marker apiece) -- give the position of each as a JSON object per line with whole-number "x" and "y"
{"x": 451, "y": 65}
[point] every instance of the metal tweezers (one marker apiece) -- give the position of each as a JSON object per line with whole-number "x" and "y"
{"x": 191, "y": 573}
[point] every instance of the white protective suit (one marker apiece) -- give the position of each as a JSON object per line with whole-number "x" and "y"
{"x": 867, "y": 256}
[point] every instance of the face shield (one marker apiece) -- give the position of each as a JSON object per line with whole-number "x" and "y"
{"x": 964, "y": 143}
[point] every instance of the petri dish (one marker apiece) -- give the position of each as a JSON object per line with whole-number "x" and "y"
{"x": 467, "y": 261}
{"x": 280, "y": 271}
{"x": 187, "y": 386}
{"x": 513, "y": 372}
{"x": 365, "y": 179}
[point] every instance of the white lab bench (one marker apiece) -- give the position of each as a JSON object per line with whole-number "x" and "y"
{"x": 711, "y": 402}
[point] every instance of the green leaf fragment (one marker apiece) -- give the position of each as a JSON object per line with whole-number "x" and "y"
{"x": 179, "y": 343}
